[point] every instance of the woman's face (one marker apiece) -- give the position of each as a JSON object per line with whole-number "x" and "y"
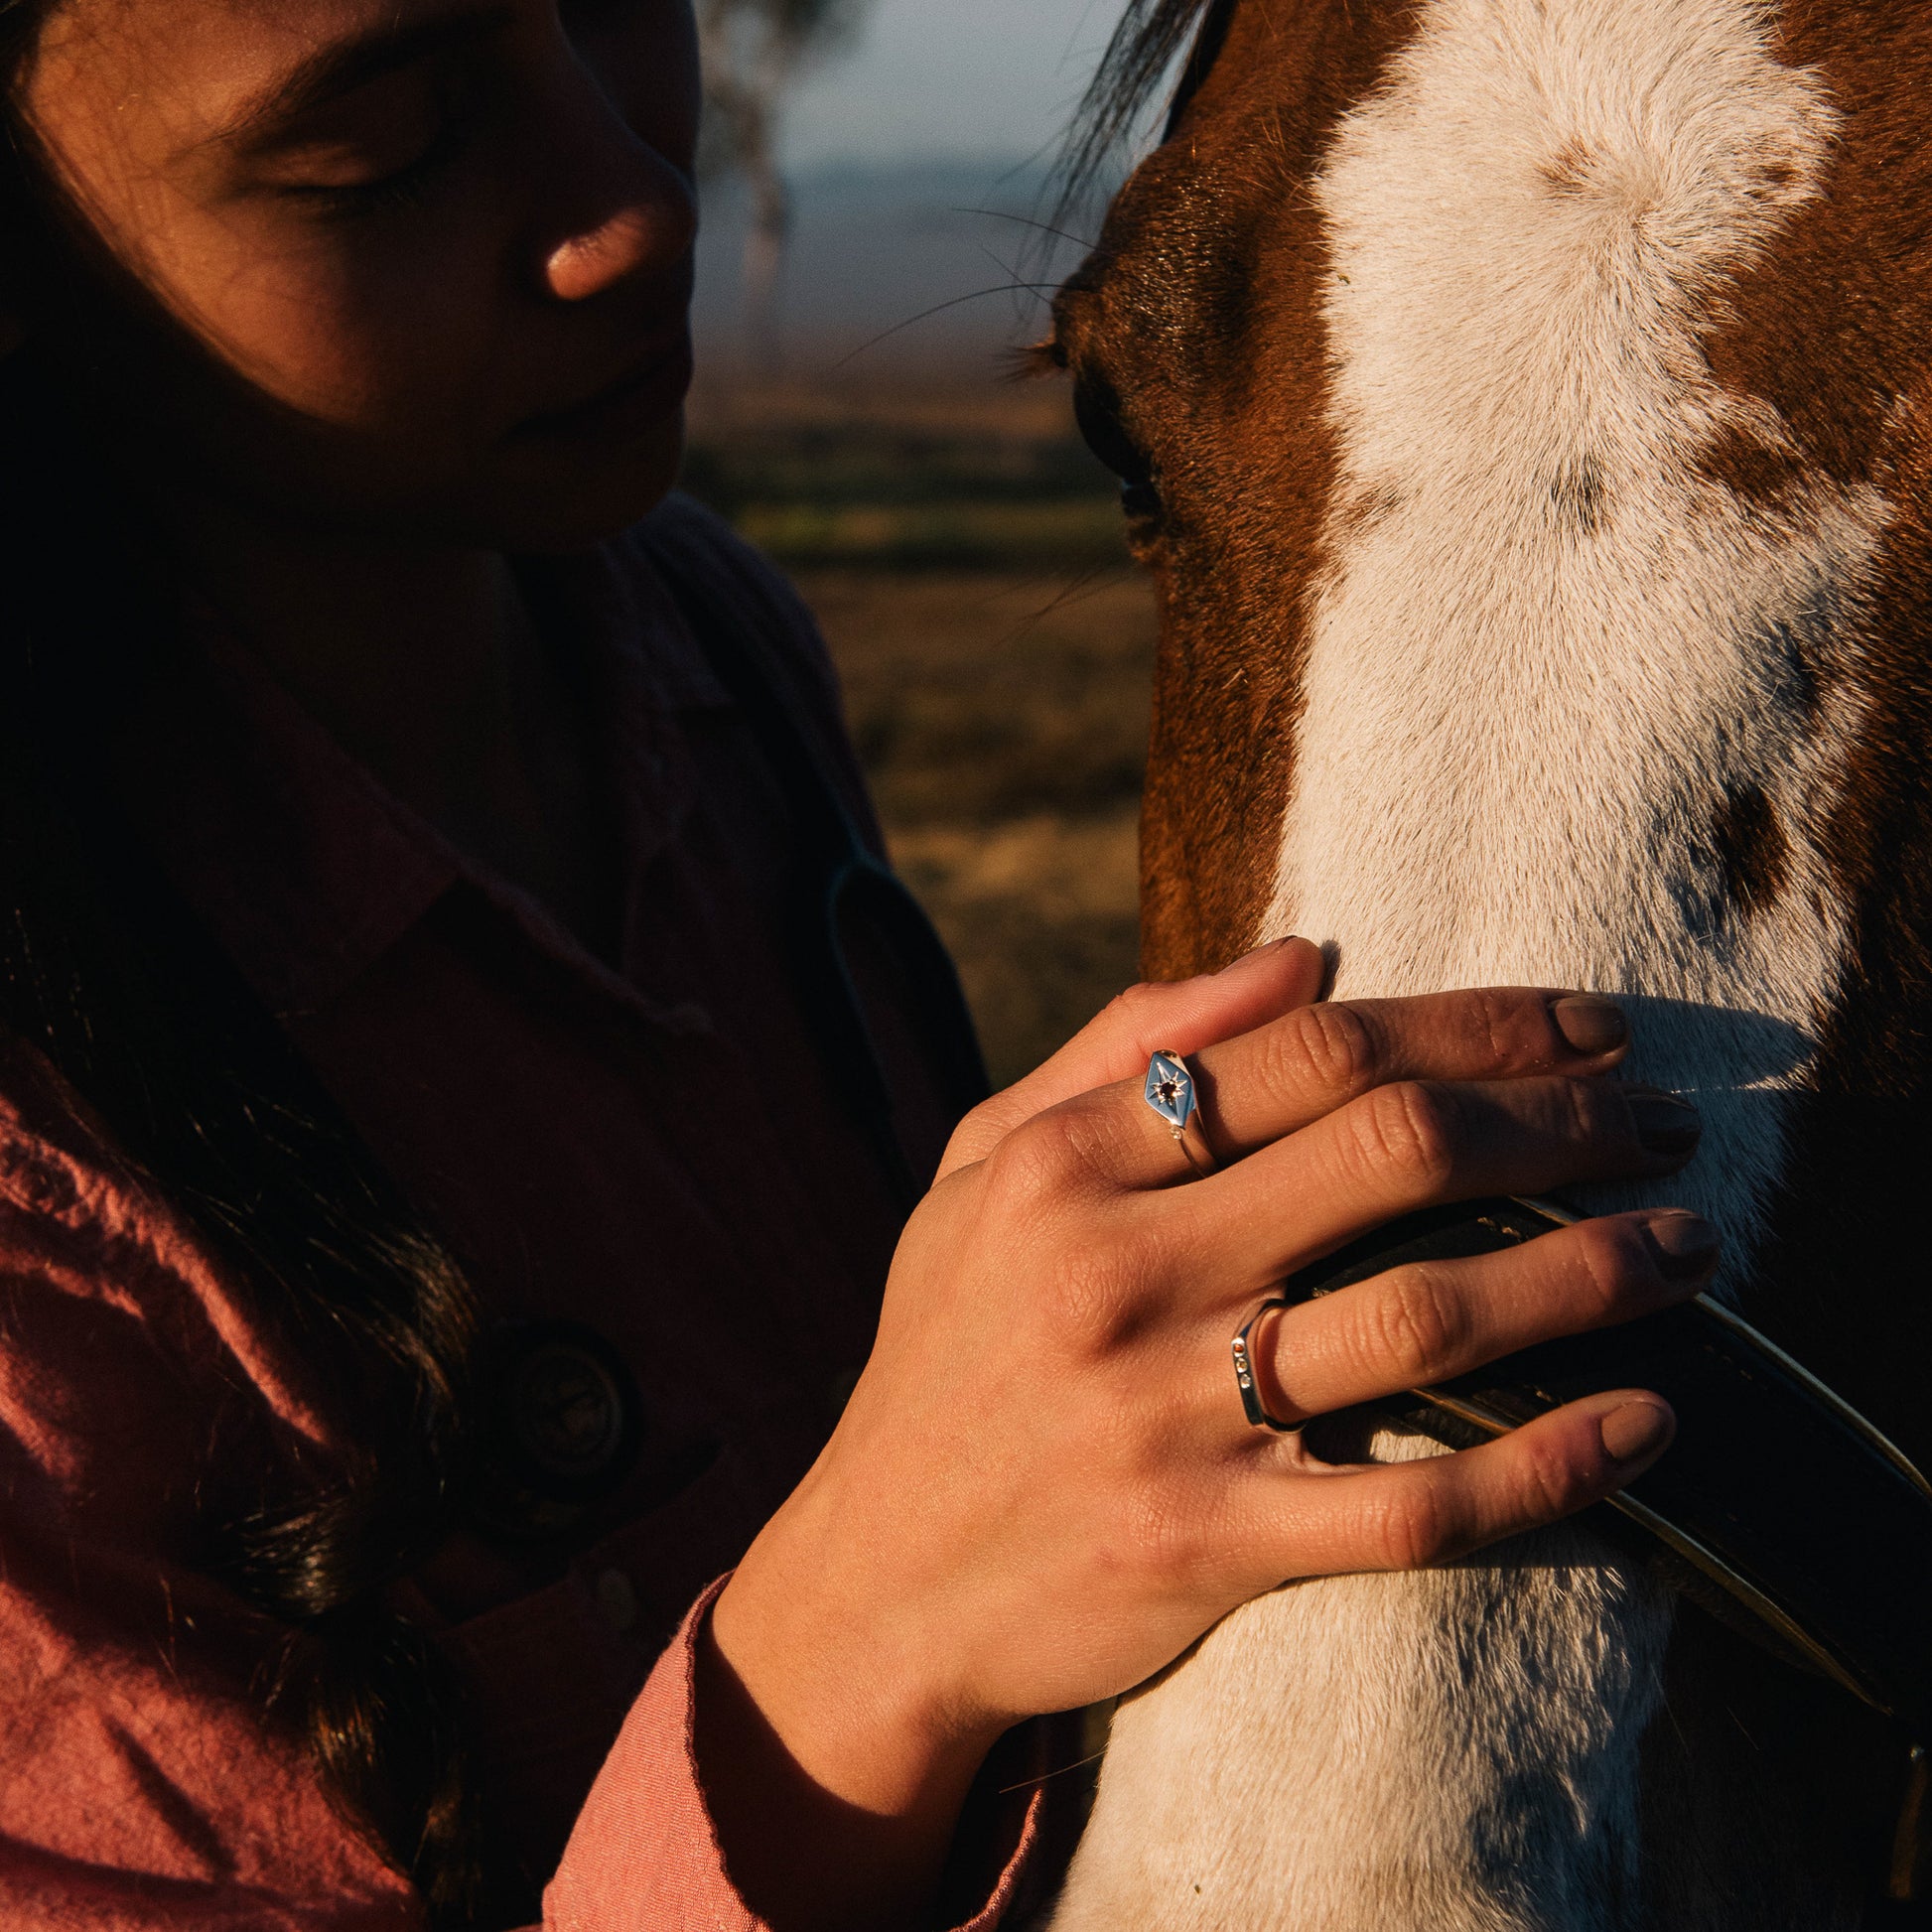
{"x": 412, "y": 268}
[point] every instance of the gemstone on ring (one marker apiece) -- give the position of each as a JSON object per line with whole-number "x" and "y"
{"x": 1170, "y": 1090}
{"x": 1244, "y": 1369}
{"x": 1252, "y": 1405}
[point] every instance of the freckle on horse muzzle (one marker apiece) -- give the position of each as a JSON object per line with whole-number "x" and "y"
{"x": 1778, "y": 1507}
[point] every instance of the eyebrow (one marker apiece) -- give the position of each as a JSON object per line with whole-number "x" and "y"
{"x": 334, "y": 71}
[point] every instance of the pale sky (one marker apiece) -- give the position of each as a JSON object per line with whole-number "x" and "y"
{"x": 952, "y": 77}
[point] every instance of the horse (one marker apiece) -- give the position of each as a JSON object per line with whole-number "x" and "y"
{"x": 1522, "y": 408}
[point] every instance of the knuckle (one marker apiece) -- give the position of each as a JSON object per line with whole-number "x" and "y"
{"x": 1087, "y": 1304}
{"x": 1497, "y": 1022}
{"x": 1549, "y": 1487}
{"x": 1329, "y": 1049}
{"x": 1155, "y": 1536}
{"x": 1036, "y": 1159}
{"x": 981, "y": 1128}
{"x": 1583, "y": 1114}
{"x": 1418, "y": 1526}
{"x": 1064, "y": 1152}
{"x": 1609, "y": 1261}
{"x": 1137, "y": 1011}
{"x": 1099, "y": 1141}
{"x": 1423, "y": 1326}
{"x": 1100, "y": 1289}
{"x": 1409, "y": 1130}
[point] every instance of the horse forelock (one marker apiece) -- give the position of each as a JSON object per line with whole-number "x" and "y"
{"x": 1549, "y": 608}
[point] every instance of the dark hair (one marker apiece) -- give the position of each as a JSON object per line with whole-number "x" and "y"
{"x": 106, "y": 971}
{"x": 103, "y": 969}
{"x": 1140, "y": 54}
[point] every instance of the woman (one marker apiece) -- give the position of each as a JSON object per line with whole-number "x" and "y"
{"x": 450, "y": 1171}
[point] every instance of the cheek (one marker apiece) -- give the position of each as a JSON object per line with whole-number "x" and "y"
{"x": 362, "y": 334}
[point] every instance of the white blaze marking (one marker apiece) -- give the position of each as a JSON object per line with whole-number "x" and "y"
{"x": 1520, "y": 735}
{"x": 1543, "y": 653}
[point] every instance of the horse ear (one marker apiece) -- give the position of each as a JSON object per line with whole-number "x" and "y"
{"x": 1213, "y": 31}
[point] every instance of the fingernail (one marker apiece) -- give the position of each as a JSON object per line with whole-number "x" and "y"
{"x": 1636, "y": 1429}
{"x": 1683, "y": 1245}
{"x": 1591, "y": 1023}
{"x": 1664, "y": 1123}
{"x": 1259, "y": 952}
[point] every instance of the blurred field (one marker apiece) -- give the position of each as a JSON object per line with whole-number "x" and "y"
{"x": 963, "y": 554}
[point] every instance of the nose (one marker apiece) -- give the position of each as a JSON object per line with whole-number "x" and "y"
{"x": 630, "y": 240}
{"x": 618, "y": 208}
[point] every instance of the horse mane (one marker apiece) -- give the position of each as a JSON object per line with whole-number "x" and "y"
{"x": 1140, "y": 54}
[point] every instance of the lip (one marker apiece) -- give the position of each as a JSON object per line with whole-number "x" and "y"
{"x": 643, "y": 396}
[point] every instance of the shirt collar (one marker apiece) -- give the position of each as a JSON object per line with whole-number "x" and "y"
{"x": 307, "y": 869}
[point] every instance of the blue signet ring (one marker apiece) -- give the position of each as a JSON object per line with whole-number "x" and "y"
{"x": 1173, "y": 1094}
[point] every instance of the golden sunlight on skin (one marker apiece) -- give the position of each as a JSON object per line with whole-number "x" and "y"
{"x": 135, "y": 118}
{"x": 440, "y": 232}
{"x": 588, "y": 264}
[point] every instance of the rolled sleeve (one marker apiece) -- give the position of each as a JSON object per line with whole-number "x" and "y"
{"x": 644, "y": 1856}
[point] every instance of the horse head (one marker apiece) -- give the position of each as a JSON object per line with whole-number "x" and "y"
{"x": 1521, "y": 407}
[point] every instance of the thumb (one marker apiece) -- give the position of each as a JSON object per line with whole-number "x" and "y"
{"x": 1180, "y": 1018}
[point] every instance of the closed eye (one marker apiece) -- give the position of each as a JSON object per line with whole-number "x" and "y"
{"x": 401, "y": 187}
{"x": 378, "y": 123}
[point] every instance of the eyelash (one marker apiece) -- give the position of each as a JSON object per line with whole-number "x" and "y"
{"x": 407, "y": 188}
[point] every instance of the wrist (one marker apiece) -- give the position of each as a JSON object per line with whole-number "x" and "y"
{"x": 834, "y": 1780}
{"x": 842, "y": 1670}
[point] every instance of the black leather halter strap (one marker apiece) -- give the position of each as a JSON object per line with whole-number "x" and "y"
{"x": 1776, "y": 1495}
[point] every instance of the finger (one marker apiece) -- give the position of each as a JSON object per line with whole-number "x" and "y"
{"x": 1414, "y": 1145}
{"x": 1433, "y": 1321}
{"x": 1181, "y": 1017}
{"x": 1304, "y": 1065}
{"x": 1411, "y": 1515}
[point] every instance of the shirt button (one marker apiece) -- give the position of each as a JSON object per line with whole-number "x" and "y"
{"x": 618, "y": 1599}
{"x": 568, "y": 1412}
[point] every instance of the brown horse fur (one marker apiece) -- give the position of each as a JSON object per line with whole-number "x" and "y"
{"x": 1486, "y": 371}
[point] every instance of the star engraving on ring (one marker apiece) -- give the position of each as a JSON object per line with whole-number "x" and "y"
{"x": 1170, "y": 1090}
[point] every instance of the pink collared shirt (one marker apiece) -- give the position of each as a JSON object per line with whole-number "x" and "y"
{"x": 644, "y": 1148}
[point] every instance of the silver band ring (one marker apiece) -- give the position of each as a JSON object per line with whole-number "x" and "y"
{"x": 1173, "y": 1094}
{"x": 1244, "y": 1371}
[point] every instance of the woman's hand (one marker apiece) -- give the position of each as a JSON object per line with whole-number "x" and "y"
{"x": 1044, "y": 1488}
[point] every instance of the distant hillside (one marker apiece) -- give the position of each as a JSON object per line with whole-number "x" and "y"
{"x": 874, "y": 248}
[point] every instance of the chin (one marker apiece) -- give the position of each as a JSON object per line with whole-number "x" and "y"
{"x": 566, "y": 504}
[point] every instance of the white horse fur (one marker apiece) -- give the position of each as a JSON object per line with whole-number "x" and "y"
{"x": 1543, "y": 651}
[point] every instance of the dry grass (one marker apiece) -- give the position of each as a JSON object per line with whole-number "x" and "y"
{"x": 1040, "y": 915}
{"x": 937, "y": 402}
{"x": 964, "y": 556}
{"x": 1006, "y": 736}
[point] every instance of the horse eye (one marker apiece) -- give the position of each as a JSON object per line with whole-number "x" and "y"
{"x": 1097, "y": 411}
